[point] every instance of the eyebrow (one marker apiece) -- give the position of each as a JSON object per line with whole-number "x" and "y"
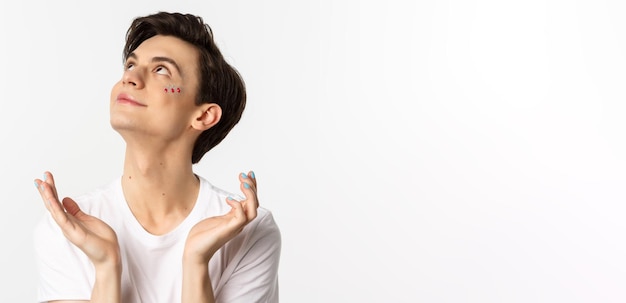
{"x": 160, "y": 59}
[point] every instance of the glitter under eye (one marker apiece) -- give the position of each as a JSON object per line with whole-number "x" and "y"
{"x": 172, "y": 89}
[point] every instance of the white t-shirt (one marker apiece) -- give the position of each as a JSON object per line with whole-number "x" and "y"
{"x": 244, "y": 270}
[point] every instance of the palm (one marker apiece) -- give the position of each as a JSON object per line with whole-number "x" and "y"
{"x": 94, "y": 237}
{"x": 210, "y": 234}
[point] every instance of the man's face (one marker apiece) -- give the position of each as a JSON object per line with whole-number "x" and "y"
{"x": 155, "y": 97}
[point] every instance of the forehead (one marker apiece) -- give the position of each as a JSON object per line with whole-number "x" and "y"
{"x": 183, "y": 53}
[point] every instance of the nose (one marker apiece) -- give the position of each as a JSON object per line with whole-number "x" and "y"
{"x": 133, "y": 78}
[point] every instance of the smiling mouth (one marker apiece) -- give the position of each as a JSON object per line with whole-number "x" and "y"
{"x": 126, "y": 99}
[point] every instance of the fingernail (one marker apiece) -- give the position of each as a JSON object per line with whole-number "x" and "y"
{"x": 246, "y": 185}
{"x": 252, "y": 175}
{"x": 45, "y": 176}
{"x": 244, "y": 176}
{"x": 36, "y": 185}
{"x": 230, "y": 198}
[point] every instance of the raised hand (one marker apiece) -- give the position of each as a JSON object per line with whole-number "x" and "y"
{"x": 210, "y": 234}
{"x": 94, "y": 237}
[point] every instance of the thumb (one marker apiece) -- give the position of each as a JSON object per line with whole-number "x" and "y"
{"x": 71, "y": 207}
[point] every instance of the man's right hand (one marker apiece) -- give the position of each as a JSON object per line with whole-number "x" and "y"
{"x": 94, "y": 237}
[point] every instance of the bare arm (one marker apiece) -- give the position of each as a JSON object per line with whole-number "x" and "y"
{"x": 197, "y": 286}
{"x": 209, "y": 235}
{"x": 106, "y": 287}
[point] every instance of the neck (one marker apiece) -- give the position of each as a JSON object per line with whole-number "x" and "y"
{"x": 160, "y": 187}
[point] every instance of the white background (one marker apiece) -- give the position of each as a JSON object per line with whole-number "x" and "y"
{"x": 411, "y": 151}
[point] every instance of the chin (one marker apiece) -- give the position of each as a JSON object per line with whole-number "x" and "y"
{"x": 122, "y": 123}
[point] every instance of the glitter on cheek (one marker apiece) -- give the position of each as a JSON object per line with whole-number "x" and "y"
{"x": 172, "y": 89}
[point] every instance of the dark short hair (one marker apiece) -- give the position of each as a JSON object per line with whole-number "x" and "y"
{"x": 219, "y": 83}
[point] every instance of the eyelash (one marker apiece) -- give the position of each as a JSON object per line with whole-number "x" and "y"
{"x": 129, "y": 65}
{"x": 163, "y": 67}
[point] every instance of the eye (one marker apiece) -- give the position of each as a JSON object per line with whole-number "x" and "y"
{"x": 129, "y": 66}
{"x": 162, "y": 70}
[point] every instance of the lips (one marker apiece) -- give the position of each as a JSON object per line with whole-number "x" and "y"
{"x": 128, "y": 99}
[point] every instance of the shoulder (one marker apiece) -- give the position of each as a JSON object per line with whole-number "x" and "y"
{"x": 263, "y": 223}
{"x": 261, "y": 238}
{"x": 262, "y": 227}
{"x": 103, "y": 195}
{"x": 94, "y": 202}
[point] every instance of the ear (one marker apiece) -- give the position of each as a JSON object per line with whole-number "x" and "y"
{"x": 208, "y": 116}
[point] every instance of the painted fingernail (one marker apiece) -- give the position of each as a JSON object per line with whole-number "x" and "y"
{"x": 230, "y": 198}
{"x": 45, "y": 176}
{"x": 244, "y": 176}
{"x": 252, "y": 175}
{"x": 36, "y": 185}
{"x": 246, "y": 185}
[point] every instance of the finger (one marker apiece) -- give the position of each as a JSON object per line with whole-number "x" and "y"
{"x": 252, "y": 177}
{"x": 237, "y": 210}
{"x": 251, "y": 203}
{"x": 236, "y": 205}
{"x": 71, "y": 226}
{"x": 61, "y": 214}
{"x": 42, "y": 186}
{"x": 52, "y": 204}
{"x": 49, "y": 178}
{"x": 57, "y": 211}
{"x": 72, "y": 208}
{"x": 40, "y": 191}
{"x": 247, "y": 179}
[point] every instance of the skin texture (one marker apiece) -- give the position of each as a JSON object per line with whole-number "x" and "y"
{"x": 158, "y": 182}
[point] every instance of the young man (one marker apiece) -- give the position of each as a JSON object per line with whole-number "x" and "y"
{"x": 160, "y": 233}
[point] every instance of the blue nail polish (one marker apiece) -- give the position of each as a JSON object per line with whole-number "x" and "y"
{"x": 230, "y": 198}
{"x": 244, "y": 176}
{"x": 36, "y": 185}
{"x": 246, "y": 185}
{"x": 252, "y": 175}
{"x": 45, "y": 177}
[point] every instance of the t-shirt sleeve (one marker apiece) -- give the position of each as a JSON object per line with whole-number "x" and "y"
{"x": 64, "y": 271}
{"x": 255, "y": 278}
